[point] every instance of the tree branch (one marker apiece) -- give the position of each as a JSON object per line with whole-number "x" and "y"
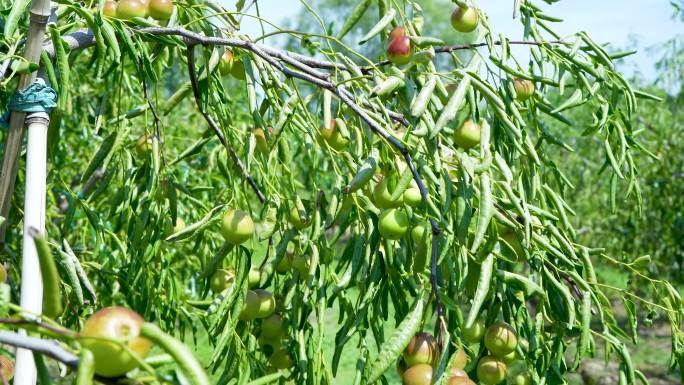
{"x": 25, "y": 322}
{"x": 49, "y": 348}
{"x": 198, "y": 100}
{"x": 459, "y": 47}
{"x": 85, "y": 38}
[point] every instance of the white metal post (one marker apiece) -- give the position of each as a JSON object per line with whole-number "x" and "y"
{"x": 34, "y": 217}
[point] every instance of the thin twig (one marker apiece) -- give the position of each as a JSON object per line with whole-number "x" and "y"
{"x": 48, "y": 348}
{"x": 48, "y": 327}
{"x": 575, "y": 288}
{"x": 153, "y": 109}
{"x": 198, "y": 100}
{"x": 459, "y": 47}
{"x": 451, "y": 48}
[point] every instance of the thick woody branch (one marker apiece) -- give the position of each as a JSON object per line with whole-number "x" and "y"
{"x": 85, "y": 38}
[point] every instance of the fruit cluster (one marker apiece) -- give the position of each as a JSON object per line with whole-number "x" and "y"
{"x": 400, "y": 49}
{"x": 230, "y": 65}
{"x": 128, "y": 9}
{"x": 260, "y": 304}
{"x": 416, "y": 366}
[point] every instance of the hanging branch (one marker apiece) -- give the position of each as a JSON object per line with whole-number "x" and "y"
{"x": 273, "y": 56}
{"x": 304, "y": 68}
{"x": 344, "y": 96}
{"x": 217, "y": 130}
{"x": 42, "y": 325}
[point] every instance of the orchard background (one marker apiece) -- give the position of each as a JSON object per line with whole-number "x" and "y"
{"x": 294, "y": 207}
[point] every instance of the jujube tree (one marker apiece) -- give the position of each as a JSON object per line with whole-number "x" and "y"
{"x": 414, "y": 189}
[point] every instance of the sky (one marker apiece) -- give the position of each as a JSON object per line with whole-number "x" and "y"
{"x": 619, "y": 22}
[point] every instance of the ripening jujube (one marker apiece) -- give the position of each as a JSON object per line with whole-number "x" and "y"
{"x": 226, "y": 63}
{"x": 250, "y": 308}
{"x": 468, "y": 135}
{"x": 281, "y": 359}
{"x": 412, "y": 196}
{"x": 522, "y": 379}
{"x": 267, "y": 303}
{"x": 331, "y": 135}
{"x": 236, "y": 226}
{"x": 160, "y": 9}
{"x": 221, "y": 280}
{"x": 422, "y": 349}
{"x": 500, "y": 339}
{"x": 524, "y": 89}
{"x": 254, "y": 278}
{"x": 128, "y": 9}
{"x": 273, "y": 326}
{"x": 382, "y": 196}
{"x": 465, "y": 19}
{"x": 261, "y": 141}
{"x": 116, "y": 323}
{"x": 491, "y": 370}
{"x": 393, "y": 223}
{"x": 460, "y": 361}
{"x": 475, "y": 332}
{"x": 238, "y": 70}
{"x": 399, "y": 48}
{"x": 420, "y": 374}
{"x": 259, "y": 303}
{"x": 109, "y": 8}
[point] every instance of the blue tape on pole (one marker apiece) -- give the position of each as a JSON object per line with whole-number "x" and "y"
{"x": 38, "y": 97}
